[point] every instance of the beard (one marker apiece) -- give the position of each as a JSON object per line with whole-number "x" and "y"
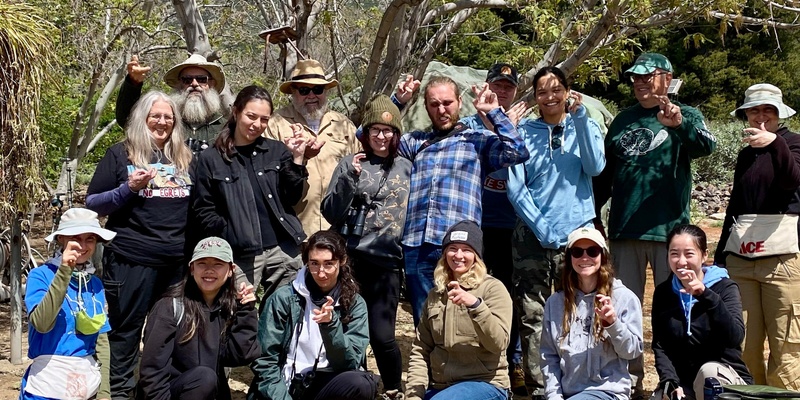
{"x": 198, "y": 109}
{"x": 310, "y": 112}
{"x": 444, "y": 126}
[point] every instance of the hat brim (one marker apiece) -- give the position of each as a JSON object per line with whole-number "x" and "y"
{"x": 504, "y": 77}
{"x": 173, "y": 79}
{"x": 104, "y": 234}
{"x": 640, "y": 70}
{"x": 784, "y": 111}
{"x": 286, "y": 87}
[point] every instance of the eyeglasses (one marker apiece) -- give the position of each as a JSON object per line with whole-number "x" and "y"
{"x": 327, "y": 268}
{"x": 168, "y": 118}
{"x": 188, "y": 79}
{"x": 305, "y": 90}
{"x": 387, "y": 133}
{"x": 555, "y": 137}
{"x": 645, "y": 78}
{"x": 577, "y": 252}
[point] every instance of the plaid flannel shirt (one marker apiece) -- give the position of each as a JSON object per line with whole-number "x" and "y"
{"x": 447, "y": 177}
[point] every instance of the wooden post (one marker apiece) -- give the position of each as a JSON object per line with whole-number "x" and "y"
{"x": 16, "y": 295}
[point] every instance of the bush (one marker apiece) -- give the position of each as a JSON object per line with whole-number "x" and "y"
{"x": 718, "y": 167}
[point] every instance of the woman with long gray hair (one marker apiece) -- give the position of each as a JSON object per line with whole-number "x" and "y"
{"x": 142, "y": 185}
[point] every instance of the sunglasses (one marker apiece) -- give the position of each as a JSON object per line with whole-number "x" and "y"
{"x": 555, "y": 137}
{"x": 577, "y": 252}
{"x": 305, "y": 90}
{"x": 188, "y": 79}
{"x": 646, "y": 78}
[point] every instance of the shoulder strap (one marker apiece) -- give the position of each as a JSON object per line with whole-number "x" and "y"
{"x": 458, "y": 128}
{"x": 177, "y": 310}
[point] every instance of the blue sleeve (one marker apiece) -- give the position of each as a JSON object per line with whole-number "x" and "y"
{"x": 510, "y": 148}
{"x": 590, "y": 142}
{"x": 107, "y": 202}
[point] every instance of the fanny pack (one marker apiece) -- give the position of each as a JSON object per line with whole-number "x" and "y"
{"x": 763, "y": 235}
{"x": 63, "y": 377}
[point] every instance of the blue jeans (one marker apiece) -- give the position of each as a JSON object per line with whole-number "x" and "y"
{"x": 593, "y": 395}
{"x": 420, "y": 263}
{"x": 468, "y": 390}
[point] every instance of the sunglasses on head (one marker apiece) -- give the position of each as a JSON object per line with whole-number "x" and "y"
{"x": 577, "y": 252}
{"x": 188, "y": 79}
{"x": 305, "y": 90}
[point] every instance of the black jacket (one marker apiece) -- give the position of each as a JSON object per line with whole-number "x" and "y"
{"x": 164, "y": 359}
{"x": 223, "y": 202}
{"x": 717, "y": 332}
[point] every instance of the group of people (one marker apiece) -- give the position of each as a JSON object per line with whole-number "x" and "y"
{"x": 513, "y": 280}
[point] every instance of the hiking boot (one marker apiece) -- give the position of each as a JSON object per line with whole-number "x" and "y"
{"x": 517, "y": 375}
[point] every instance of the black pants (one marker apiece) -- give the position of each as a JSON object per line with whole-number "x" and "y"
{"x": 380, "y": 288}
{"x": 348, "y": 385}
{"x": 131, "y": 290}
{"x": 498, "y": 259}
{"x": 198, "y": 383}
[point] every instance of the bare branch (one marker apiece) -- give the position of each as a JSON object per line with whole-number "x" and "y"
{"x": 461, "y": 5}
{"x": 752, "y": 21}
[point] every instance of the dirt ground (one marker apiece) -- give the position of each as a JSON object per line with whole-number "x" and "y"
{"x": 11, "y": 375}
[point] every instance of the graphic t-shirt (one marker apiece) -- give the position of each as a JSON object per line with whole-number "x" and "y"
{"x": 151, "y": 226}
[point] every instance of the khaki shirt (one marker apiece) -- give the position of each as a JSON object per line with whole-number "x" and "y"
{"x": 339, "y": 133}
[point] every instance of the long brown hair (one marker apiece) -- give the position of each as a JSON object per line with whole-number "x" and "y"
{"x": 225, "y": 142}
{"x": 335, "y": 243}
{"x": 571, "y": 283}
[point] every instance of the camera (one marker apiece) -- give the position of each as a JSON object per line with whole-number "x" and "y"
{"x": 196, "y": 145}
{"x": 354, "y": 224}
{"x": 300, "y": 383}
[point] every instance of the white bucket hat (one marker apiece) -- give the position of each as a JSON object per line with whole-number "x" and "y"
{"x": 76, "y": 221}
{"x": 173, "y": 76}
{"x": 760, "y": 94}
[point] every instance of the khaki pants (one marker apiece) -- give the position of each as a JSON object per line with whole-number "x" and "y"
{"x": 630, "y": 259}
{"x": 770, "y": 289}
{"x": 537, "y": 272}
{"x": 723, "y": 372}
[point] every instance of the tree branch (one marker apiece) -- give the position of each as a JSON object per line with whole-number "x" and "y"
{"x": 461, "y": 5}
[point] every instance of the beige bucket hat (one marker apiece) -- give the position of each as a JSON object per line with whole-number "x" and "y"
{"x": 309, "y": 72}
{"x": 760, "y": 94}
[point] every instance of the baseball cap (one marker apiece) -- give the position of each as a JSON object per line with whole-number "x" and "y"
{"x": 502, "y": 71}
{"x": 587, "y": 233}
{"x": 213, "y": 247}
{"x": 648, "y": 62}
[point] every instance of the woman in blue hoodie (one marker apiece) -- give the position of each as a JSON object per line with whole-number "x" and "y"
{"x": 552, "y": 195}
{"x": 591, "y": 328}
{"x": 697, "y": 321}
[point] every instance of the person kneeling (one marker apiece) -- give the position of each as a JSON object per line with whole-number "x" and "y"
{"x": 314, "y": 333}
{"x": 200, "y": 326}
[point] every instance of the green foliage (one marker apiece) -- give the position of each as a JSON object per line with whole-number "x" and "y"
{"x": 718, "y": 167}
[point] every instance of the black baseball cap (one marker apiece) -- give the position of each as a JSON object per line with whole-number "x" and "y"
{"x": 502, "y": 71}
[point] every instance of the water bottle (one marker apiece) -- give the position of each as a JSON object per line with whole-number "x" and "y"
{"x": 711, "y": 389}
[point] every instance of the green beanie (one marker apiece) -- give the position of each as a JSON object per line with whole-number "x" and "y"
{"x": 381, "y": 110}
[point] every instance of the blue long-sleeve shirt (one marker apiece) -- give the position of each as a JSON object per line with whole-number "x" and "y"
{"x": 447, "y": 177}
{"x": 552, "y": 191}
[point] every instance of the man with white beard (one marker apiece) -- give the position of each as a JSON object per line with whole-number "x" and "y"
{"x": 333, "y": 134}
{"x": 197, "y": 83}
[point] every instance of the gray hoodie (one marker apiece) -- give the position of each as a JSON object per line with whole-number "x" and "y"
{"x": 579, "y": 363}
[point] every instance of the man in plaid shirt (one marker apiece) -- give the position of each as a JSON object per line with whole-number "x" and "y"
{"x": 449, "y": 166}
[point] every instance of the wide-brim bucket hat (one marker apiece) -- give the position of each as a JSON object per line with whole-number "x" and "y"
{"x": 77, "y": 221}
{"x": 309, "y": 72}
{"x": 761, "y": 94}
{"x": 173, "y": 76}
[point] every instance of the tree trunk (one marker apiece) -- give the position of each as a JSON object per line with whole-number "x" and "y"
{"x": 16, "y": 289}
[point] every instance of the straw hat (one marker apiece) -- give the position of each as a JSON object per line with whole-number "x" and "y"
{"x": 309, "y": 72}
{"x": 760, "y": 94}
{"x": 173, "y": 76}
{"x": 76, "y": 221}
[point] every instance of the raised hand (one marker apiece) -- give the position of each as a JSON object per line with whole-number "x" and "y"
{"x": 297, "y": 143}
{"x": 691, "y": 285}
{"x": 324, "y": 314}
{"x": 246, "y": 293}
{"x": 357, "y": 162}
{"x": 136, "y": 71}
{"x": 517, "y": 112}
{"x": 485, "y": 99}
{"x": 670, "y": 114}
{"x": 758, "y": 137}
{"x": 405, "y": 89}
{"x": 577, "y": 101}
{"x": 71, "y": 253}
{"x": 459, "y": 296}
{"x": 605, "y": 310}
{"x": 139, "y": 178}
